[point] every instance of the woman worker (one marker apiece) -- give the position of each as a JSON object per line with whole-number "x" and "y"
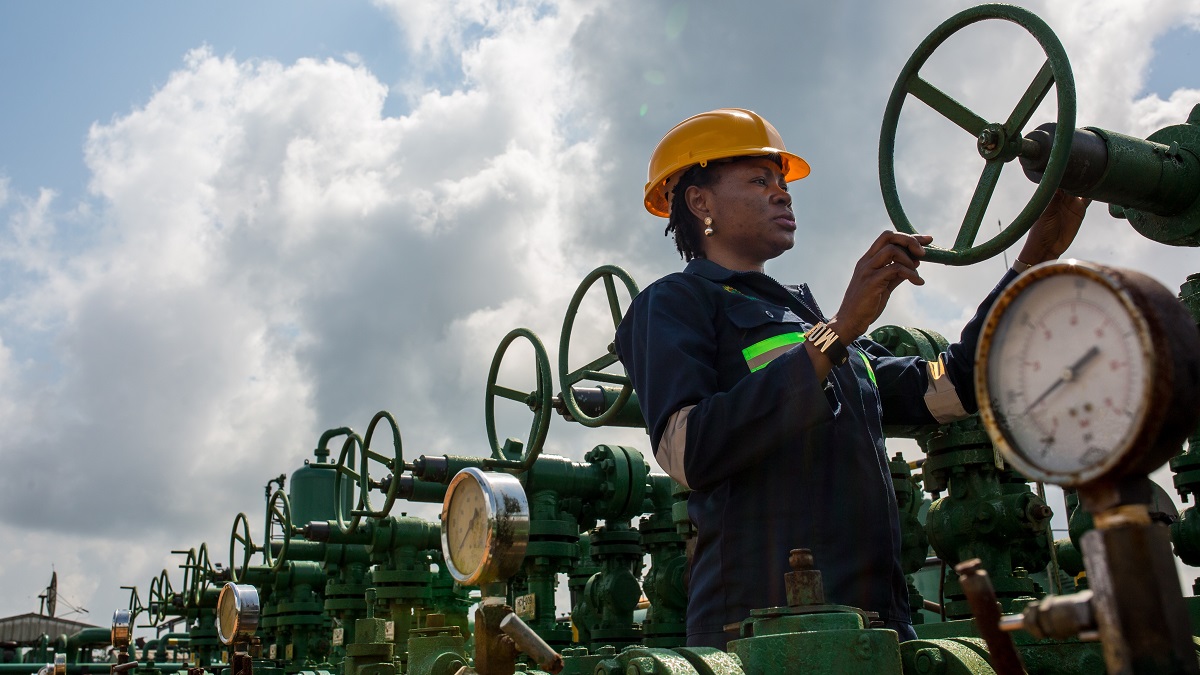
{"x": 769, "y": 411}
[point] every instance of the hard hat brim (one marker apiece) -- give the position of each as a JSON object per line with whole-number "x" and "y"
{"x": 658, "y": 190}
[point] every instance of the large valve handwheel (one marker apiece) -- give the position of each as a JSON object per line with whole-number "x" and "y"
{"x": 394, "y": 465}
{"x": 593, "y": 370}
{"x": 997, "y": 142}
{"x": 540, "y": 400}
{"x": 279, "y": 513}
{"x": 347, "y": 475}
{"x": 240, "y": 534}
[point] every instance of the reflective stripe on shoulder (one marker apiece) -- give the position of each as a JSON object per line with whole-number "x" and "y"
{"x": 941, "y": 398}
{"x": 759, "y": 354}
{"x": 669, "y": 453}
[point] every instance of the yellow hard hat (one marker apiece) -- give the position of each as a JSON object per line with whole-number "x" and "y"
{"x": 718, "y": 134}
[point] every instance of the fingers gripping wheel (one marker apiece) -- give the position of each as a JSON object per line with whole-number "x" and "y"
{"x": 998, "y": 143}
{"x": 394, "y": 465}
{"x": 240, "y": 535}
{"x": 279, "y": 514}
{"x": 594, "y": 370}
{"x": 539, "y": 400}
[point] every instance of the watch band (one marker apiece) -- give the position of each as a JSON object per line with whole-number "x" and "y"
{"x": 828, "y": 343}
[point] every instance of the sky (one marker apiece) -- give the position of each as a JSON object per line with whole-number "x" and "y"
{"x": 226, "y": 227}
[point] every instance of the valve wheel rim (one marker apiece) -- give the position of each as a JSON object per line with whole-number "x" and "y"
{"x": 395, "y": 465}
{"x": 346, "y": 474}
{"x": 1055, "y": 71}
{"x": 540, "y": 400}
{"x": 567, "y": 377}
{"x": 237, "y": 573}
{"x": 279, "y": 510}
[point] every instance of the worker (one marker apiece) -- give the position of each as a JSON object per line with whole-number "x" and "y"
{"x": 771, "y": 412}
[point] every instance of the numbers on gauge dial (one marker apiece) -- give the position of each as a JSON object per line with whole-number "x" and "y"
{"x": 467, "y": 526}
{"x": 1067, "y": 377}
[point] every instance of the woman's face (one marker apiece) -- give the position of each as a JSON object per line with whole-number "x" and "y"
{"x": 751, "y": 212}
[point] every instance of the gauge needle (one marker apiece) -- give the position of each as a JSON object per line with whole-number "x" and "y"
{"x": 470, "y": 527}
{"x": 1068, "y": 374}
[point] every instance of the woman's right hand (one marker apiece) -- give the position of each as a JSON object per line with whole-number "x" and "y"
{"x": 891, "y": 260}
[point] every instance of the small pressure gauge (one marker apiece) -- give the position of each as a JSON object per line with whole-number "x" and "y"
{"x": 485, "y": 526}
{"x": 121, "y": 624}
{"x": 237, "y": 612}
{"x": 1086, "y": 372}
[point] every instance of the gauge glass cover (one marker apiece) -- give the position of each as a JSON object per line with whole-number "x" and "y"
{"x": 237, "y": 612}
{"x": 485, "y": 526}
{"x": 1068, "y": 369}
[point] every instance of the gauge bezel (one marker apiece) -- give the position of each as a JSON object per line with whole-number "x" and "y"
{"x": 506, "y": 530}
{"x": 1146, "y": 422}
{"x": 243, "y": 599}
{"x": 122, "y": 623}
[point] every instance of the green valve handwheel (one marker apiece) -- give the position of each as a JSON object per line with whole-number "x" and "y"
{"x": 394, "y": 464}
{"x": 997, "y": 142}
{"x": 593, "y": 370}
{"x": 279, "y": 512}
{"x": 540, "y": 400}
{"x": 240, "y": 534}
{"x": 347, "y": 475}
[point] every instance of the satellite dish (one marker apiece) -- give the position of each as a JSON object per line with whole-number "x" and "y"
{"x": 52, "y": 594}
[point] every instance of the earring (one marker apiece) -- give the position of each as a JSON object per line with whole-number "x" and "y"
{"x": 708, "y": 230}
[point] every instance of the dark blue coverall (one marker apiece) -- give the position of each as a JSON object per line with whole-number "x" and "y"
{"x": 776, "y": 459}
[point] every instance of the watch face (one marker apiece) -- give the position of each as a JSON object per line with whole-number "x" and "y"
{"x": 1067, "y": 374}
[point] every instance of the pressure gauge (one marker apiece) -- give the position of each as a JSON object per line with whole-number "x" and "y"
{"x": 121, "y": 624}
{"x": 1086, "y": 372}
{"x": 485, "y": 526}
{"x": 237, "y": 612}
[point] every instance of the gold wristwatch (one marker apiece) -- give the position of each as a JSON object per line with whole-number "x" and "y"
{"x": 827, "y": 342}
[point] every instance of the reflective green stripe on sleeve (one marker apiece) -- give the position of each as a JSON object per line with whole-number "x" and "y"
{"x": 759, "y": 354}
{"x": 870, "y": 370}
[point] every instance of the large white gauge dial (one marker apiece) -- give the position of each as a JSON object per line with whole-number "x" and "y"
{"x": 485, "y": 526}
{"x": 1074, "y": 370}
{"x": 237, "y": 612}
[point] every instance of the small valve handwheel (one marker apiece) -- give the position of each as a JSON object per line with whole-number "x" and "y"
{"x": 279, "y": 513}
{"x": 593, "y": 370}
{"x": 202, "y": 577}
{"x": 485, "y": 526}
{"x": 540, "y": 400}
{"x": 347, "y": 475}
{"x": 122, "y": 625}
{"x": 240, "y": 534}
{"x": 237, "y": 612}
{"x": 1087, "y": 373}
{"x": 997, "y": 143}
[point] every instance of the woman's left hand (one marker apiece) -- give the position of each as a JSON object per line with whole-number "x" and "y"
{"x": 1055, "y": 229}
